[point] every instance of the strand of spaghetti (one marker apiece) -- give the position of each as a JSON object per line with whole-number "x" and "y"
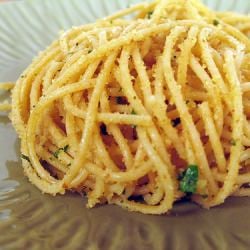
{"x": 108, "y": 118}
{"x": 93, "y": 197}
{"x": 190, "y": 157}
{"x": 240, "y": 180}
{"x": 48, "y": 77}
{"x": 103, "y": 154}
{"x": 7, "y": 85}
{"x": 246, "y": 127}
{"x": 242, "y": 192}
{"x": 70, "y": 127}
{"x": 241, "y": 22}
{"x": 5, "y": 107}
{"x": 219, "y": 88}
{"x": 116, "y": 118}
{"x": 130, "y": 175}
{"x": 213, "y": 135}
{"x": 139, "y": 155}
{"x": 57, "y": 135}
{"x": 237, "y": 34}
{"x": 192, "y": 11}
{"x": 80, "y": 178}
{"x": 72, "y": 58}
{"x": 142, "y": 75}
{"x": 213, "y": 94}
{"x": 158, "y": 12}
{"x": 183, "y": 59}
{"x": 156, "y": 196}
{"x": 35, "y": 88}
{"x": 245, "y": 86}
{"x": 245, "y": 155}
{"x": 160, "y": 112}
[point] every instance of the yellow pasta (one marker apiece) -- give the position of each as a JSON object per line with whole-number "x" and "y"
{"x": 140, "y": 113}
{"x": 6, "y": 86}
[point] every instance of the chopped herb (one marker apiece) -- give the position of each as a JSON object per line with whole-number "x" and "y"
{"x": 77, "y": 44}
{"x": 69, "y": 165}
{"x": 57, "y": 152}
{"x": 188, "y": 179}
{"x": 133, "y": 112}
{"x": 176, "y": 122}
{"x": 233, "y": 142}
{"x": 133, "y": 126}
{"x": 216, "y": 22}
{"x": 25, "y": 157}
{"x": 89, "y": 51}
{"x": 149, "y": 14}
{"x": 66, "y": 148}
{"x": 111, "y": 21}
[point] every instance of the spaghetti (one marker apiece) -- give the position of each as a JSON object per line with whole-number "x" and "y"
{"x": 140, "y": 113}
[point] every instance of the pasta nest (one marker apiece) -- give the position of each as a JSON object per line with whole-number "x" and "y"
{"x": 119, "y": 109}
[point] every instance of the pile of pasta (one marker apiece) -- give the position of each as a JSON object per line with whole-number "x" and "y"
{"x": 141, "y": 112}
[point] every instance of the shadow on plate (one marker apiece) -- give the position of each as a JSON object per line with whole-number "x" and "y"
{"x": 31, "y": 220}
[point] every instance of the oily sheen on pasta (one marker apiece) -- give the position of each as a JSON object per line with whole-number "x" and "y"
{"x": 141, "y": 112}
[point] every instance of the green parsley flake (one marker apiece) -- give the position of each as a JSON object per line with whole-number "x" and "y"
{"x": 188, "y": 179}
{"x": 233, "y": 142}
{"x": 133, "y": 112}
{"x": 216, "y": 22}
{"x": 25, "y": 157}
{"x": 57, "y": 152}
{"x": 149, "y": 14}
